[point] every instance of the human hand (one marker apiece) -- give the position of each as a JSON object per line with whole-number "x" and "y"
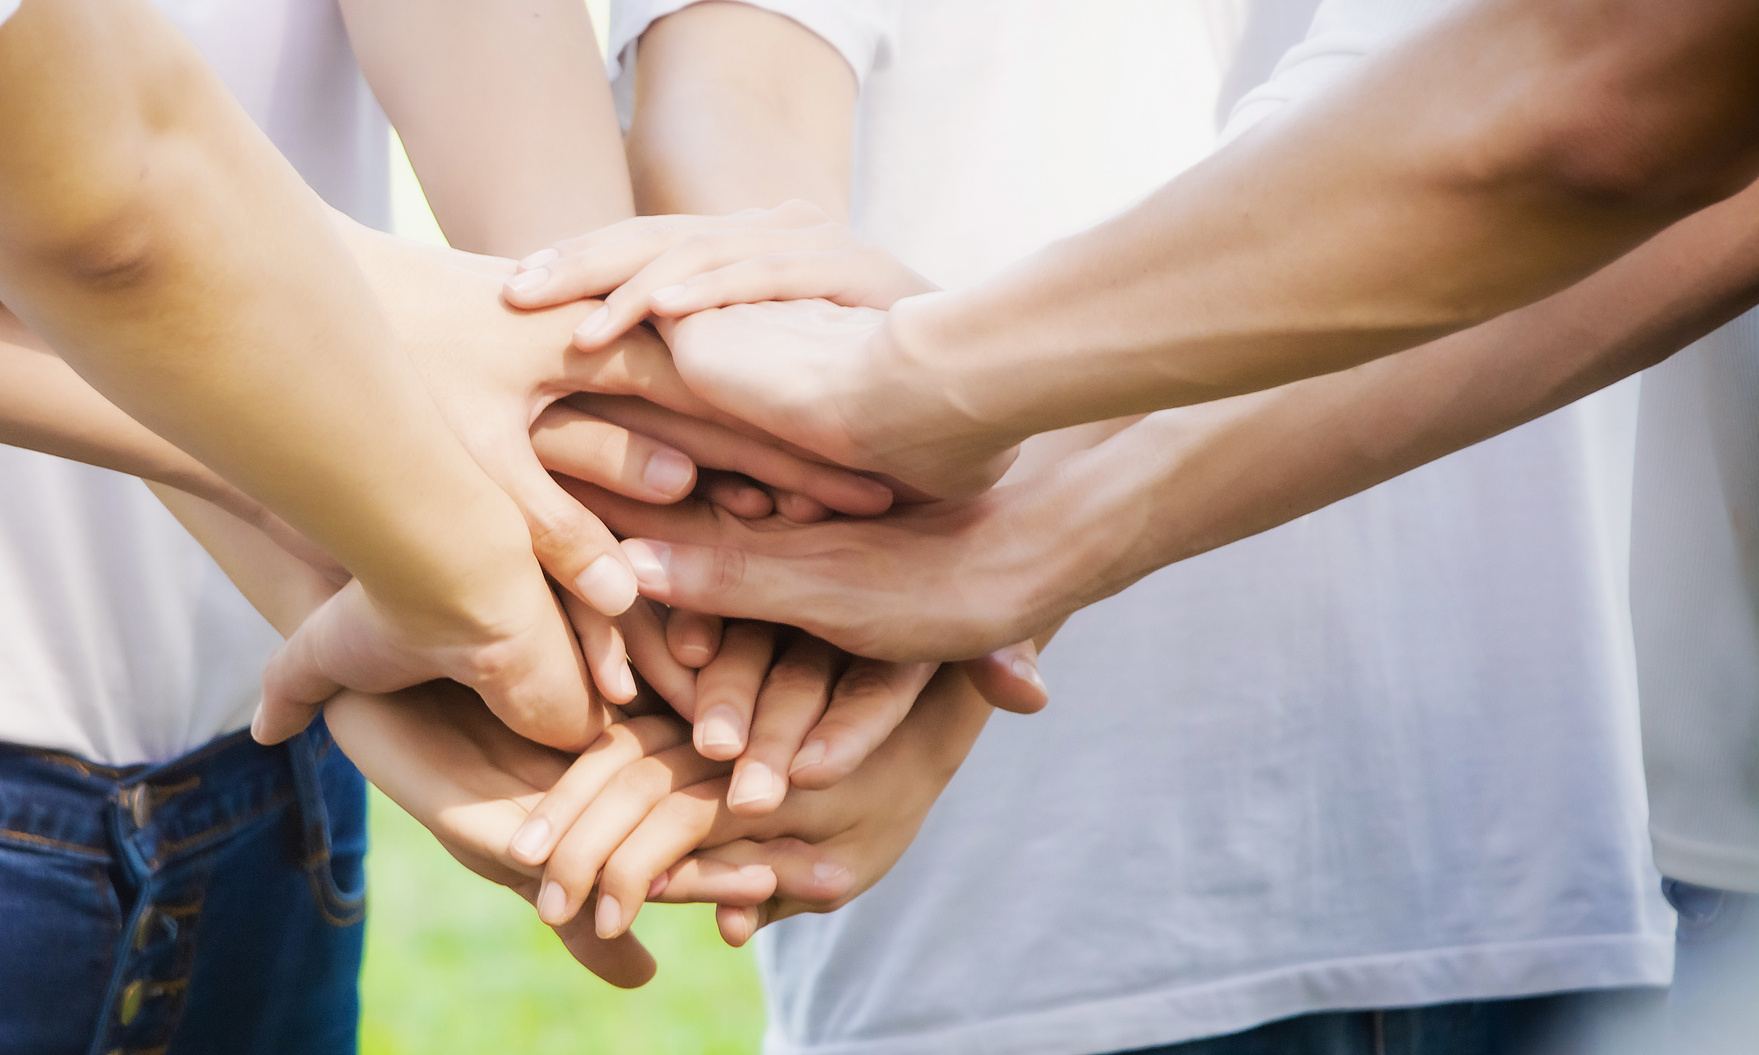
{"x": 349, "y": 642}
{"x": 509, "y": 646}
{"x": 675, "y": 265}
{"x": 824, "y": 846}
{"x": 454, "y": 767}
{"x": 493, "y": 371}
{"x": 943, "y": 581}
{"x": 837, "y": 365}
{"x": 818, "y": 712}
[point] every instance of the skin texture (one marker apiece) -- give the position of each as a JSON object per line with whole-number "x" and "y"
{"x": 1181, "y": 482}
{"x": 1371, "y": 219}
{"x": 624, "y": 839}
{"x": 440, "y": 754}
{"x": 503, "y": 111}
{"x": 693, "y": 137}
{"x": 155, "y": 239}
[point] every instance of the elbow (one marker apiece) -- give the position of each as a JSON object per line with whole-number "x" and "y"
{"x": 1619, "y": 156}
{"x": 116, "y": 252}
{"x": 1650, "y": 112}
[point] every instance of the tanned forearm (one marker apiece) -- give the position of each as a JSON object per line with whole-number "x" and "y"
{"x": 1497, "y": 157}
{"x": 1185, "y": 481}
{"x": 168, "y": 253}
{"x": 504, "y": 112}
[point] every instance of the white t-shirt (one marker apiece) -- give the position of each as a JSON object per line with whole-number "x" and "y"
{"x": 8, "y": 8}
{"x": 120, "y": 640}
{"x": 1695, "y": 602}
{"x": 1384, "y": 755}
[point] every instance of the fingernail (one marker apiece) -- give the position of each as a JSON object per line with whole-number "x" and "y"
{"x": 624, "y": 685}
{"x": 754, "y": 872}
{"x": 828, "y": 871}
{"x": 552, "y": 904}
{"x": 668, "y": 472}
{"x": 607, "y": 585}
{"x": 609, "y": 919}
{"x": 256, "y": 723}
{"x": 652, "y": 562}
{"x": 811, "y": 754}
{"x": 694, "y": 649}
{"x": 532, "y": 841}
{"x": 1027, "y": 671}
{"x": 721, "y": 728}
{"x": 595, "y": 322}
{"x": 659, "y": 885}
{"x": 755, "y": 783}
{"x": 527, "y": 281}
{"x": 668, "y": 296}
{"x": 539, "y": 259}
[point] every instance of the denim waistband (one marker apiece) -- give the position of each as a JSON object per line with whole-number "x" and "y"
{"x": 60, "y": 802}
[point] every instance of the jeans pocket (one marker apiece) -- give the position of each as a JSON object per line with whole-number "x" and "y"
{"x": 337, "y": 871}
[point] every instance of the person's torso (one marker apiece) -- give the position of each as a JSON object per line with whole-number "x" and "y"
{"x": 1695, "y": 603}
{"x": 120, "y": 640}
{"x": 1385, "y": 754}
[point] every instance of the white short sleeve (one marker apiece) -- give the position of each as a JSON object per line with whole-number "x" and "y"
{"x": 864, "y": 32}
{"x": 8, "y": 8}
{"x": 1344, "y": 32}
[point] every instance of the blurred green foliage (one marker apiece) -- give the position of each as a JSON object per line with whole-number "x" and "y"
{"x": 455, "y": 964}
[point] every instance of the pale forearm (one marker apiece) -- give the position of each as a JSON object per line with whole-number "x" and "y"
{"x": 190, "y": 276}
{"x": 504, "y": 112}
{"x": 1382, "y": 214}
{"x": 1207, "y": 476}
{"x": 736, "y": 108}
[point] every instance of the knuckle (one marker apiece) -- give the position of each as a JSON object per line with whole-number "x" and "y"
{"x": 645, "y": 781}
{"x": 497, "y": 664}
{"x": 727, "y": 569}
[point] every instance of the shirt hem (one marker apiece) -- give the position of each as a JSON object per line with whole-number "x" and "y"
{"x": 1171, "y": 1016}
{"x": 1705, "y": 864}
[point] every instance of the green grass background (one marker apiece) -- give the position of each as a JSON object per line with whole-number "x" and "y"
{"x": 456, "y": 965}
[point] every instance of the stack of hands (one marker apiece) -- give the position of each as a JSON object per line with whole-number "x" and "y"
{"x": 593, "y": 749}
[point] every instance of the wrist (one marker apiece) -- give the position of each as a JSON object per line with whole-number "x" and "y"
{"x": 1081, "y": 519}
{"x": 917, "y": 401}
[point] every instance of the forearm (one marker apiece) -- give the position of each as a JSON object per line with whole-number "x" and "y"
{"x": 1379, "y": 215}
{"x": 736, "y": 107}
{"x": 45, "y": 406}
{"x": 159, "y": 243}
{"x": 504, "y": 111}
{"x": 1186, "y": 481}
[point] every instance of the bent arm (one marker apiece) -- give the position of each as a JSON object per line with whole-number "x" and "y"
{"x": 152, "y": 236}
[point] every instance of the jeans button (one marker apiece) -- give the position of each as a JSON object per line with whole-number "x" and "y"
{"x": 143, "y": 931}
{"x": 140, "y": 805}
{"x": 131, "y": 1001}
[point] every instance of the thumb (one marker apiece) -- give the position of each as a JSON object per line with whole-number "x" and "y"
{"x": 1008, "y": 678}
{"x": 295, "y": 681}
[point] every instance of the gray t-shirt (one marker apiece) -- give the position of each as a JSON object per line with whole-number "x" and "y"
{"x": 1694, "y": 592}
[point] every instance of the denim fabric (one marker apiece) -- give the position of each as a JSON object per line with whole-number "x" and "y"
{"x": 208, "y": 906}
{"x": 1713, "y": 1007}
{"x": 1619, "y": 1021}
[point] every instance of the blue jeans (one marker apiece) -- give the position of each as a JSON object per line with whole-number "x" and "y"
{"x": 1713, "y": 1007}
{"x": 1586, "y": 1023}
{"x": 208, "y": 906}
